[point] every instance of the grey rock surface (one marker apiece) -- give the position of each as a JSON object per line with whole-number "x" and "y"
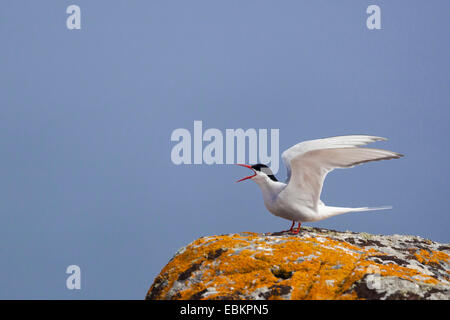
{"x": 315, "y": 264}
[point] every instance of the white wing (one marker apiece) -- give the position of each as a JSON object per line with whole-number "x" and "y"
{"x": 310, "y": 168}
{"x": 326, "y": 143}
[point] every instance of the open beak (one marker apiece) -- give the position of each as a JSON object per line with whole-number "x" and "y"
{"x": 249, "y": 177}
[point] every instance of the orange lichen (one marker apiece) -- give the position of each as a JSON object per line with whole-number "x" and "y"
{"x": 318, "y": 268}
{"x": 428, "y": 257}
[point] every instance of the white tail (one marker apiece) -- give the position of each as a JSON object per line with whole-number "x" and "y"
{"x": 327, "y": 211}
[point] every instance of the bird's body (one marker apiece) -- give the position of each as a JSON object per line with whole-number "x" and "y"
{"x": 307, "y": 164}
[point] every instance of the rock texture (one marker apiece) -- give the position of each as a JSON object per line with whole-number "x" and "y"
{"x": 316, "y": 264}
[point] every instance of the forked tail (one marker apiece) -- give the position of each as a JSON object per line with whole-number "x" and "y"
{"x": 327, "y": 211}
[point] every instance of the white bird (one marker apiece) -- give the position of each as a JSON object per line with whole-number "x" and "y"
{"x": 307, "y": 165}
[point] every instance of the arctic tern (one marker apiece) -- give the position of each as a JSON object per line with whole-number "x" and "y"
{"x": 308, "y": 163}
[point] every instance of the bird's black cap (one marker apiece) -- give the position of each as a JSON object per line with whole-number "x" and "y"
{"x": 263, "y": 168}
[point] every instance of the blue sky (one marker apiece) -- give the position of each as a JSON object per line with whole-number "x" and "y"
{"x": 86, "y": 118}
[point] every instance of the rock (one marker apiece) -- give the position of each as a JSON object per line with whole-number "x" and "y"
{"x": 316, "y": 264}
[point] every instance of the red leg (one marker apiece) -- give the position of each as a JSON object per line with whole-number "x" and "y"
{"x": 291, "y": 228}
{"x": 296, "y": 231}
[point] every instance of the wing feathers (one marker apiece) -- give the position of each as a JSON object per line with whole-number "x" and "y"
{"x": 347, "y": 157}
{"x": 325, "y": 143}
{"x": 333, "y": 142}
{"x": 309, "y": 169}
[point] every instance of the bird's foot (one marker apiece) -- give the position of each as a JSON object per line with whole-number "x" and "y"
{"x": 291, "y": 228}
{"x": 297, "y": 230}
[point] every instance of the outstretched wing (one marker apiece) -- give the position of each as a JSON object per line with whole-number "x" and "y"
{"x": 309, "y": 169}
{"x": 326, "y": 143}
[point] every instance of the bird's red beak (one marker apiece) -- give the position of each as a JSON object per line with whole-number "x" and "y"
{"x": 249, "y": 177}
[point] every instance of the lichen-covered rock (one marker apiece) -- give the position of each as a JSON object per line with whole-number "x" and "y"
{"x": 316, "y": 264}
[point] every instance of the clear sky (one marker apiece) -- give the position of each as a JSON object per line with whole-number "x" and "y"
{"x": 86, "y": 117}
